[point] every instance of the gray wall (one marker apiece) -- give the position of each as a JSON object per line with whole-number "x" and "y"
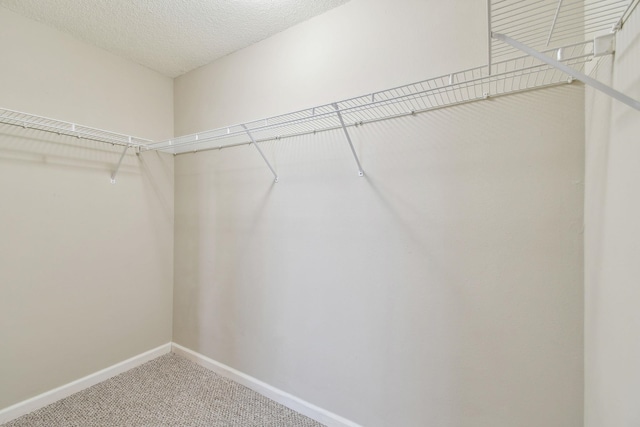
{"x": 444, "y": 288}
{"x": 85, "y": 266}
{"x": 612, "y": 241}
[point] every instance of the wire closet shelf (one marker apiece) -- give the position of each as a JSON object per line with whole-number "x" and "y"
{"x": 45, "y": 124}
{"x": 509, "y": 76}
{"x": 545, "y": 24}
{"x": 557, "y": 35}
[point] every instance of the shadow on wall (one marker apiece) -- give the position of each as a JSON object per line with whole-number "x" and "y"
{"x": 598, "y": 141}
{"x": 157, "y": 170}
{"x": 86, "y": 266}
{"x": 627, "y": 63}
{"x": 444, "y": 287}
{"x": 29, "y": 145}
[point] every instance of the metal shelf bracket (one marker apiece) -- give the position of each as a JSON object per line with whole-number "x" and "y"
{"x": 570, "y": 71}
{"x": 253, "y": 142}
{"x": 346, "y": 133}
{"x": 115, "y": 172}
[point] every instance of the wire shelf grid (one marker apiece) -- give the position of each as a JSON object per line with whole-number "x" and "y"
{"x": 544, "y": 24}
{"x": 509, "y": 76}
{"x": 30, "y": 121}
{"x": 568, "y": 26}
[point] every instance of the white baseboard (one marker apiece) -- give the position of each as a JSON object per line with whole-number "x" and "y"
{"x": 49, "y": 397}
{"x": 292, "y": 402}
{"x": 312, "y": 411}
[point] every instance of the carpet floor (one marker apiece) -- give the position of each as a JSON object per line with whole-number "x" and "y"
{"x": 167, "y": 391}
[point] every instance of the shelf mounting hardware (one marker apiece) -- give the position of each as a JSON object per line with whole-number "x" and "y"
{"x": 346, "y": 133}
{"x": 553, "y": 24}
{"x": 568, "y": 70}
{"x": 253, "y": 142}
{"x": 490, "y": 55}
{"x": 115, "y": 172}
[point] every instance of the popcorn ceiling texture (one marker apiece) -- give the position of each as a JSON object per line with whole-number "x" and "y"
{"x": 171, "y": 36}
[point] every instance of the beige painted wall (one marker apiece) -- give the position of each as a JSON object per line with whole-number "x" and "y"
{"x": 612, "y": 241}
{"x": 357, "y": 48}
{"x": 85, "y": 266}
{"x": 444, "y": 288}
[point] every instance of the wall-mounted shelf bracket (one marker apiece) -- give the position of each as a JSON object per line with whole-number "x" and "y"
{"x": 115, "y": 172}
{"x": 253, "y": 142}
{"x": 568, "y": 70}
{"x": 604, "y": 45}
{"x": 346, "y": 133}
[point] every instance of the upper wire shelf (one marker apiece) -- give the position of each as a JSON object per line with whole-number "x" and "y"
{"x": 30, "y": 121}
{"x": 544, "y": 24}
{"x": 562, "y": 30}
{"x": 509, "y": 76}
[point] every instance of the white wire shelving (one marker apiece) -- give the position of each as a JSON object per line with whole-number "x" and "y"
{"x": 59, "y": 127}
{"x": 561, "y": 30}
{"x": 545, "y": 24}
{"x": 557, "y": 37}
{"x": 510, "y": 76}
{"x": 517, "y": 26}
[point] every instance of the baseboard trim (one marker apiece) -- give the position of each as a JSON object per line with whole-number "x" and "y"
{"x": 292, "y": 402}
{"x": 49, "y": 397}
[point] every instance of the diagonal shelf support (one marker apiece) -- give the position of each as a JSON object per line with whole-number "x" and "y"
{"x": 115, "y": 172}
{"x": 555, "y": 20}
{"x": 253, "y": 142}
{"x": 568, "y": 70}
{"x": 490, "y": 54}
{"x": 346, "y": 132}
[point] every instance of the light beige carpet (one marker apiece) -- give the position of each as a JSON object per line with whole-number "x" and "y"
{"x": 167, "y": 391}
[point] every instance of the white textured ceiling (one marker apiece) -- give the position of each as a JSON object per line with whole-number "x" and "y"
{"x": 171, "y": 36}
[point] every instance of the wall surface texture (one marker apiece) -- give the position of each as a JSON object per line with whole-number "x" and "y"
{"x": 612, "y": 241}
{"x": 85, "y": 266}
{"x": 355, "y": 49}
{"x": 445, "y": 287}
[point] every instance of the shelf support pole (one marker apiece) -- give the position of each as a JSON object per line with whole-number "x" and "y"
{"x": 555, "y": 20}
{"x": 570, "y": 71}
{"x": 115, "y": 172}
{"x": 253, "y": 142}
{"x": 489, "y": 35}
{"x": 346, "y": 133}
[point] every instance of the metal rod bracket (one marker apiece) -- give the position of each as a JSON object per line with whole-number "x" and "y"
{"x": 115, "y": 172}
{"x": 346, "y": 133}
{"x": 253, "y": 142}
{"x": 570, "y": 71}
